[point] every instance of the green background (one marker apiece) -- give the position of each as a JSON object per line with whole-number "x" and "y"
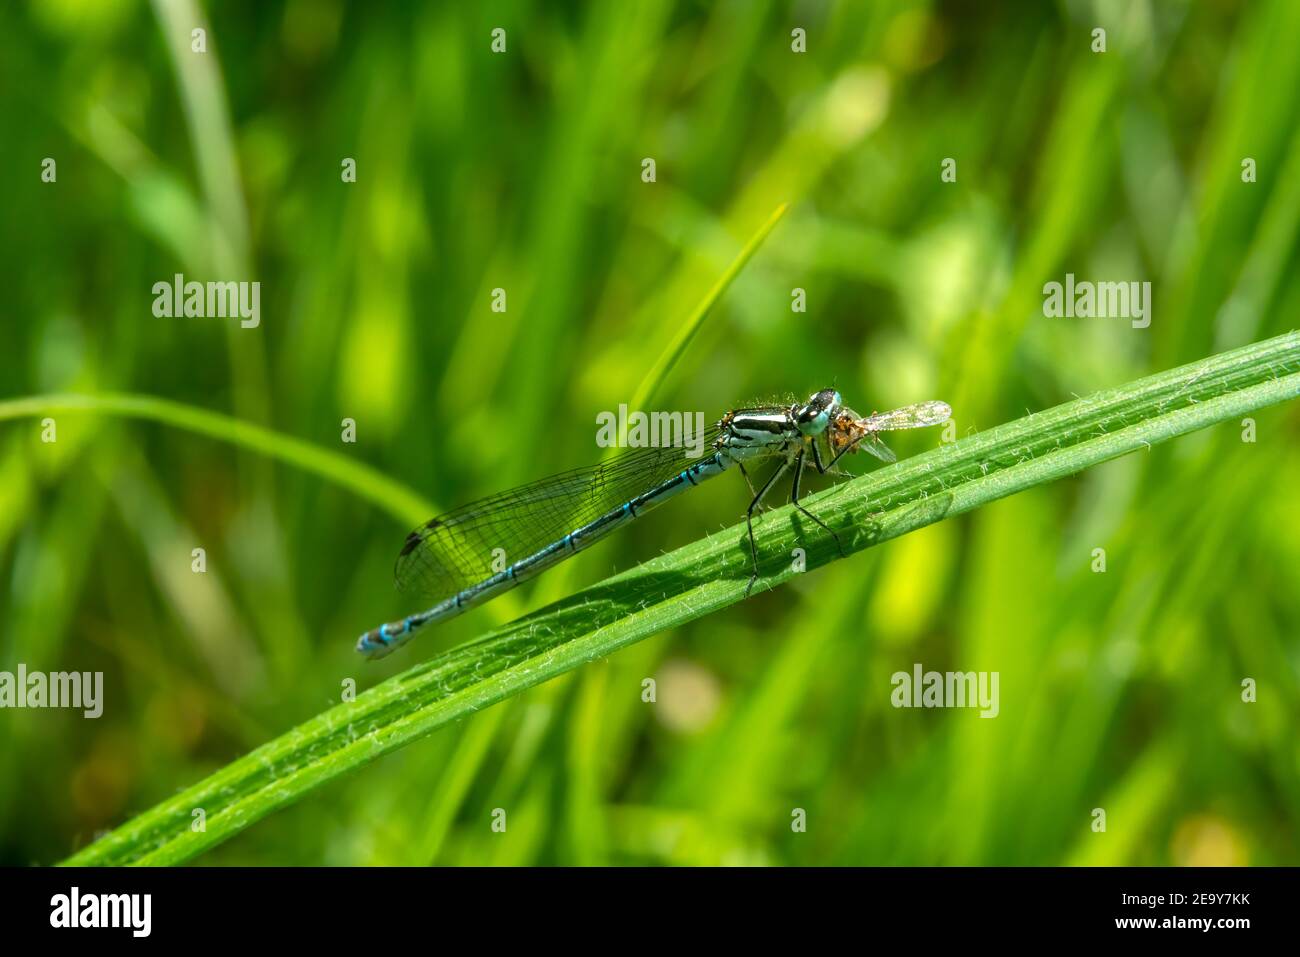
{"x": 1119, "y": 690}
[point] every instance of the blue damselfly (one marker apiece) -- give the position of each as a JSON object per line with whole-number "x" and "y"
{"x": 468, "y": 556}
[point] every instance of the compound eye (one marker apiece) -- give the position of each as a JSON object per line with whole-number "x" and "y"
{"x": 827, "y": 399}
{"x": 812, "y": 420}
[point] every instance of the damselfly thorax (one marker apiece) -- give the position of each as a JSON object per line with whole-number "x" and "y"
{"x": 758, "y": 433}
{"x": 456, "y": 557}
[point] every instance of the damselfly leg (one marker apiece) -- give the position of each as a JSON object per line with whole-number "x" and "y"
{"x": 800, "y": 461}
{"x": 749, "y": 522}
{"x": 745, "y": 473}
{"x": 794, "y": 493}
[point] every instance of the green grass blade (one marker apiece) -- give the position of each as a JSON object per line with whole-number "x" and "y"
{"x": 701, "y": 578}
{"x": 393, "y": 497}
{"x": 654, "y": 379}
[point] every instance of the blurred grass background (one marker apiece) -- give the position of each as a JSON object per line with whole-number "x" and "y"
{"x": 522, "y": 171}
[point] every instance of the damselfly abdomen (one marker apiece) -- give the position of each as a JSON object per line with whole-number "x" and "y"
{"x": 469, "y": 556}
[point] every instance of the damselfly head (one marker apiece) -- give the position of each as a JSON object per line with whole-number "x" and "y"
{"x": 816, "y": 414}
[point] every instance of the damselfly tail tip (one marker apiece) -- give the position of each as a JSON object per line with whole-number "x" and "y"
{"x": 381, "y": 641}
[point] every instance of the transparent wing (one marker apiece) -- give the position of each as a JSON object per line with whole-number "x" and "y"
{"x": 879, "y": 449}
{"x": 458, "y": 549}
{"x": 909, "y": 417}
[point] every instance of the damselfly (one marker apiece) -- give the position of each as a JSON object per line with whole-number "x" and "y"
{"x": 471, "y": 555}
